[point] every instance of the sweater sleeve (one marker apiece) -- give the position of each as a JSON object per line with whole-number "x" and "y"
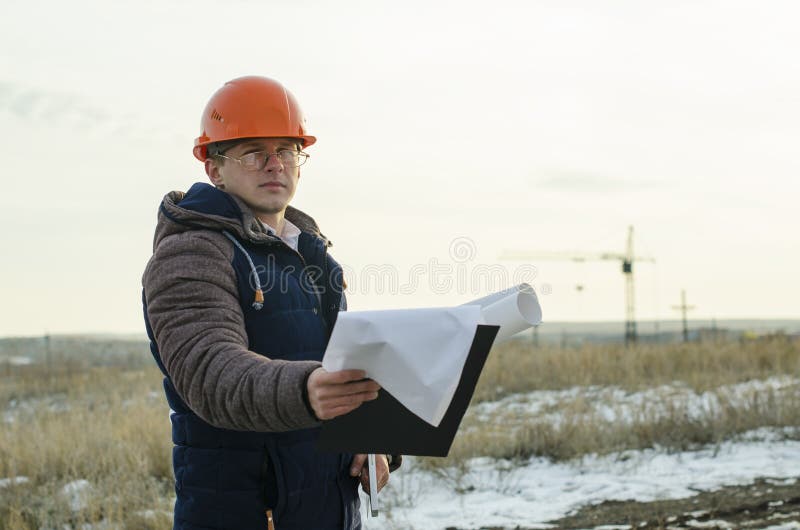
{"x": 193, "y": 308}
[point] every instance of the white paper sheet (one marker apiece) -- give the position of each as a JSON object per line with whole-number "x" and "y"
{"x": 418, "y": 355}
{"x": 514, "y": 310}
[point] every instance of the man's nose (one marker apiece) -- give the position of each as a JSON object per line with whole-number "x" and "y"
{"x": 273, "y": 163}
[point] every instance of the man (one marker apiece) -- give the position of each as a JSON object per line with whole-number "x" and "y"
{"x": 240, "y": 297}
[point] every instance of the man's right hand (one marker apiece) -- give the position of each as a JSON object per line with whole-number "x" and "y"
{"x": 332, "y": 394}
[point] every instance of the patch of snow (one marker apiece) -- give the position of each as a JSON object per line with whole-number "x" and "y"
{"x": 19, "y": 409}
{"x": 788, "y": 526}
{"x": 77, "y": 493}
{"x": 500, "y": 493}
{"x": 614, "y": 404}
{"x": 13, "y": 481}
{"x": 19, "y": 361}
{"x": 781, "y": 482}
{"x": 713, "y": 523}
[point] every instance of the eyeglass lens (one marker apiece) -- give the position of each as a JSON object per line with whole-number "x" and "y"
{"x": 258, "y": 160}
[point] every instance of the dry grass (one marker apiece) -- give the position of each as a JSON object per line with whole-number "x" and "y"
{"x": 518, "y": 367}
{"x": 108, "y": 425}
{"x": 104, "y": 425}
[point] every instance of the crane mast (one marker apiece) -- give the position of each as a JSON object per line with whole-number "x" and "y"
{"x": 630, "y": 298}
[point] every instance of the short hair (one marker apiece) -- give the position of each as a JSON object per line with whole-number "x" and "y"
{"x": 219, "y": 148}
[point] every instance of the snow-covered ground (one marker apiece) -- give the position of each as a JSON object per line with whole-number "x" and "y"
{"x": 498, "y": 493}
{"x": 488, "y": 492}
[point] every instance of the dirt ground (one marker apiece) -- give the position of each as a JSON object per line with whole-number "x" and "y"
{"x": 764, "y": 503}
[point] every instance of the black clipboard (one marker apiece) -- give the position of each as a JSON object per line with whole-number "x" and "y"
{"x": 385, "y": 426}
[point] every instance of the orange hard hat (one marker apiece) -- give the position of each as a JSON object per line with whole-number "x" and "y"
{"x": 250, "y": 107}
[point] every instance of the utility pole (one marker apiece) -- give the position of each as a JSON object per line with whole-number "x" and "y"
{"x": 48, "y": 358}
{"x": 683, "y": 308}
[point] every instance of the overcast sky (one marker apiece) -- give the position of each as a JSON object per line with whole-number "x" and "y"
{"x": 448, "y": 132}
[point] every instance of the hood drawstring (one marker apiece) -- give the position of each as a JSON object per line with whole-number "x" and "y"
{"x": 258, "y": 301}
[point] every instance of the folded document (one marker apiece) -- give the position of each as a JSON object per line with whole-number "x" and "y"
{"x": 417, "y": 355}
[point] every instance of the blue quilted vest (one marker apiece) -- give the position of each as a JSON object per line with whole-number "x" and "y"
{"x": 227, "y": 479}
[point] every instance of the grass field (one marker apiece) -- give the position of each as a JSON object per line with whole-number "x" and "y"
{"x": 85, "y": 443}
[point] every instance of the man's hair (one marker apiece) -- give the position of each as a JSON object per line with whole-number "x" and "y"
{"x": 219, "y": 148}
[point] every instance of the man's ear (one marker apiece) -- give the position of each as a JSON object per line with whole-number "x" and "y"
{"x": 212, "y": 170}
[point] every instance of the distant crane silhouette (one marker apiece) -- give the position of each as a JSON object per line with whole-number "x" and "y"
{"x": 627, "y": 258}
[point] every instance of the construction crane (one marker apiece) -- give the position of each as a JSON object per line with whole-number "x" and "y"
{"x": 627, "y": 259}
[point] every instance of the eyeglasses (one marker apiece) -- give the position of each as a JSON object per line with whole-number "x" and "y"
{"x": 258, "y": 160}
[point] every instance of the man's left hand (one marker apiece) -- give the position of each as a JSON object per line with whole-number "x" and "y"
{"x": 358, "y": 467}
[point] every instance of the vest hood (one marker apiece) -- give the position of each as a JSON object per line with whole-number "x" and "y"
{"x": 207, "y": 207}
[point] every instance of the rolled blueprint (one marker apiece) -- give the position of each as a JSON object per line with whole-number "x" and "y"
{"x": 514, "y": 310}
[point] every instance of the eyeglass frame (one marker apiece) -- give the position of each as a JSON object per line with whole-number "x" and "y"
{"x": 297, "y": 156}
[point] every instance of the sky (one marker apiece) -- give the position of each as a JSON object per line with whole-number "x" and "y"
{"x": 448, "y": 133}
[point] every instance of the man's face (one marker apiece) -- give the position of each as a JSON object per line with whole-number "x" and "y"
{"x": 267, "y": 191}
